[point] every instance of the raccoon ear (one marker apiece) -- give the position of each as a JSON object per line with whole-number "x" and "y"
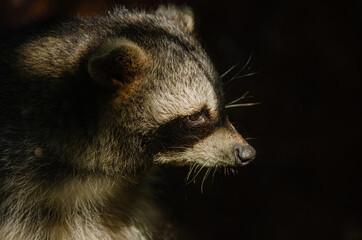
{"x": 184, "y": 15}
{"x": 117, "y": 63}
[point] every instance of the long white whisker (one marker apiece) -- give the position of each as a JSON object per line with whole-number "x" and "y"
{"x": 213, "y": 174}
{"x": 242, "y": 76}
{"x": 201, "y": 167}
{"x": 250, "y": 138}
{"x": 242, "y": 69}
{"x": 242, "y": 105}
{"x": 229, "y": 70}
{"x": 238, "y": 99}
{"x": 204, "y": 178}
{"x": 189, "y": 172}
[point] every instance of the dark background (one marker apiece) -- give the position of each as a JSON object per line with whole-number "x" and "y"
{"x": 306, "y": 180}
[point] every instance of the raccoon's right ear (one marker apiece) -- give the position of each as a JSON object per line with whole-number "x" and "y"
{"x": 183, "y": 16}
{"x": 118, "y": 62}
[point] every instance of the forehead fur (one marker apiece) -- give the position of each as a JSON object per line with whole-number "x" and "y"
{"x": 182, "y": 93}
{"x": 184, "y": 85}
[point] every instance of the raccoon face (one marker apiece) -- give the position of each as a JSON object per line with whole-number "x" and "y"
{"x": 167, "y": 93}
{"x": 201, "y": 134}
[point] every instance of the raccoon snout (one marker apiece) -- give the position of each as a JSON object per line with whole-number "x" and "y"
{"x": 244, "y": 154}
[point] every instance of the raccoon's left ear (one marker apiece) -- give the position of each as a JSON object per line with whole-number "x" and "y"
{"x": 184, "y": 16}
{"x": 117, "y": 62}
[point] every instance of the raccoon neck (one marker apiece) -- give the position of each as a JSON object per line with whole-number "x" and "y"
{"x": 90, "y": 207}
{"x": 71, "y": 176}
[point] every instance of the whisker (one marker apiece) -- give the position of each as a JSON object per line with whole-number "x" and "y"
{"x": 234, "y": 171}
{"x": 242, "y": 69}
{"x": 242, "y": 76}
{"x": 213, "y": 174}
{"x": 250, "y": 138}
{"x": 190, "y": 171}
{"x": 196, "y": 171}
{"x": 194, "y": 178}
{"x": 204, "y": 178}
{"x": 240, "y": 98}
{"x": 202, "y": 167}
{"x": 229, "y": 70}
{"x": 193, "y": 167}
{"x": 242, "y": 105}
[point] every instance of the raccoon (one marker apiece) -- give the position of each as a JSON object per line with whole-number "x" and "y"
{"x": 90, "y": 108}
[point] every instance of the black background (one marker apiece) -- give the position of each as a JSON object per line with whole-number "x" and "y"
{"x": 306, "y": 180}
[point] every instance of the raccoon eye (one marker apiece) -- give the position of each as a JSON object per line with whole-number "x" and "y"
{"x": 196, "y": 119}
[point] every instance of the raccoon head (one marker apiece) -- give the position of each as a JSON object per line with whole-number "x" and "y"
{"x": 166, "y": 94}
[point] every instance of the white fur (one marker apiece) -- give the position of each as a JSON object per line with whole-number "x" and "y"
{"x": 213, "y": 151}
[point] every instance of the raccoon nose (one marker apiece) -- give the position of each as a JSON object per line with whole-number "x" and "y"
{"x": 244, "y": 154}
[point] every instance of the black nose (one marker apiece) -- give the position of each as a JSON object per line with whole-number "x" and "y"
{"x": 244, "y": 154}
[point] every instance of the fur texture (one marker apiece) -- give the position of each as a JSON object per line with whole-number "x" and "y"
{"x": 89, "y": 108}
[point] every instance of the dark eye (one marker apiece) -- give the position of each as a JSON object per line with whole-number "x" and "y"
{"x": 196, "y": 119}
